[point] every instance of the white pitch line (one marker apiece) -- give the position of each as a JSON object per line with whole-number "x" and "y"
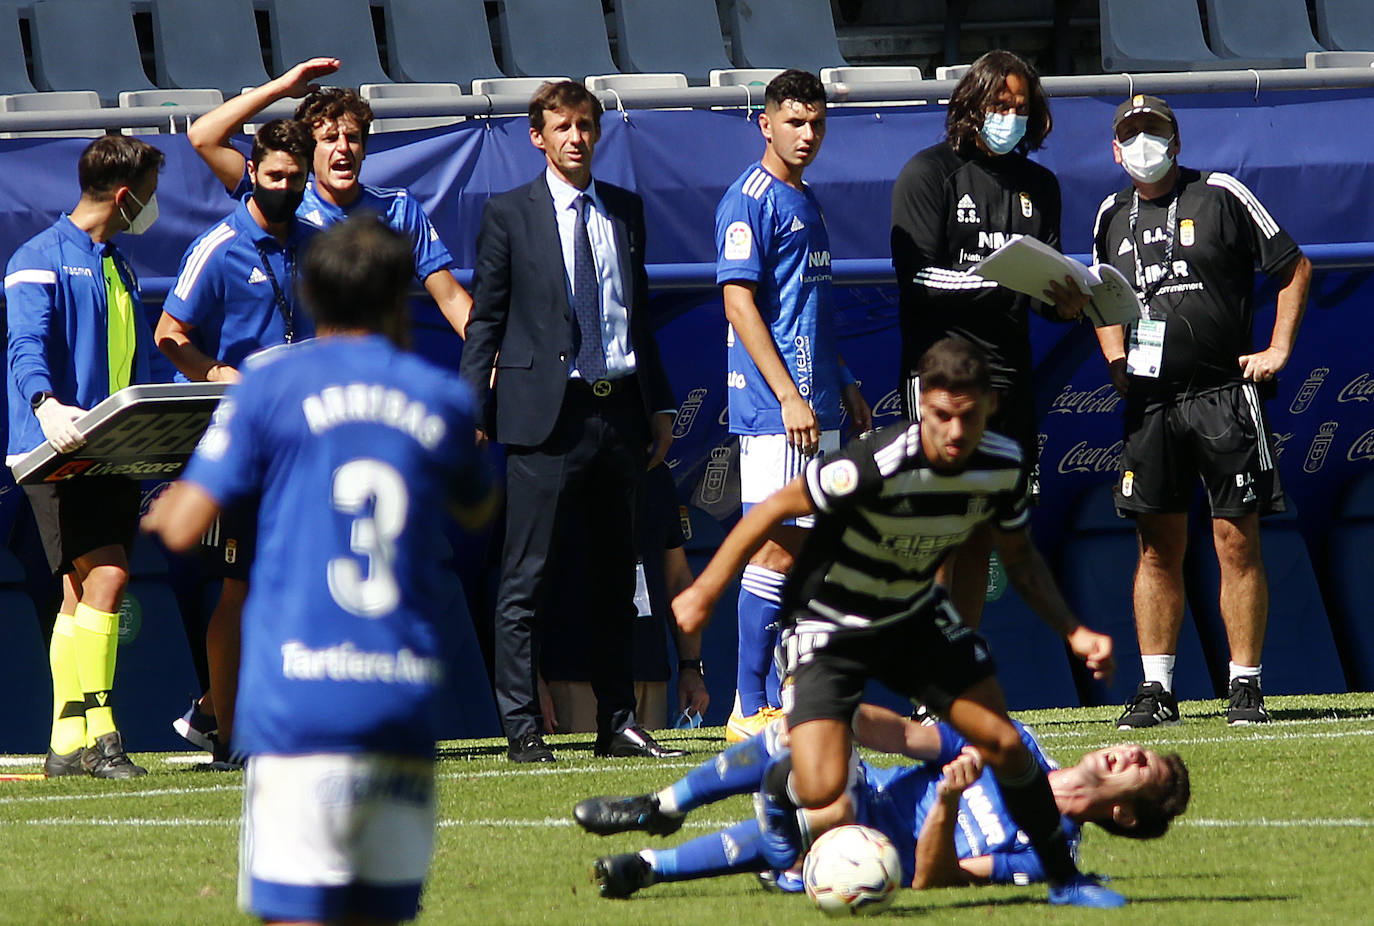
{"x": 560, "y": 770}
{"x": 1250, "y": 735}
{"x": 103, "y": 795}
{"x": 1263, "y": 822}
{"x": 119, "y": 821}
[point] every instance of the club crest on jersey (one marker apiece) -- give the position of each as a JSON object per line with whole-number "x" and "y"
{"x": 840, "y": 478}
{"x": 966, "y": 212}
{"x": 1127, "y": 483}
{"x": 1026, "y": 209}
{"x": 1187, "y": 234}
{"x": 739, "y": 241}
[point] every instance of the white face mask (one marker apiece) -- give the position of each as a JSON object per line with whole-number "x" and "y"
{"x": 147, "y": 215}
{"x": 1003, "y": 131}
{"x": 1146, "y": 157}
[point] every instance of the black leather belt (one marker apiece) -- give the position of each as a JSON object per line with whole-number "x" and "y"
{"x": 606, "y": 388}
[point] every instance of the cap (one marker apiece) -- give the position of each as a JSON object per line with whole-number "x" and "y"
{"x": 1142, "y": 103}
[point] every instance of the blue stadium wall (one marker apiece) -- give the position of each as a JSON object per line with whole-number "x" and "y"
{"x": 1295, "y": 150}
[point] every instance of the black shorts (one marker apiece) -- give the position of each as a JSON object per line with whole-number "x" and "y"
{"x": 228, "y": 545}
{"x": 931, "y": 656}
{"x": 1014, "y": 417}
{"x": 81, "y": 515}
{"x": 1219, "y": 434}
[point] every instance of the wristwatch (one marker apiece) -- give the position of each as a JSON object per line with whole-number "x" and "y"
{"x": 692, "y": 664}
{"x": 38, "y": 398}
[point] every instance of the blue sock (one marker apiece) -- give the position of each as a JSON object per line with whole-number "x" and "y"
{"x": 729, "y": 850}
{"x": 737, "y": 770}
{"x": 760, "y": 594}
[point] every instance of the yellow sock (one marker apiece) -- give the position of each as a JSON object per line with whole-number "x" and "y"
{"x": 96, "y": 639}
{"x": 69, "y": 705}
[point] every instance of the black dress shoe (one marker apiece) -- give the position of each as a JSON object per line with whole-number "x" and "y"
{"x": 633, "y": 742}
{"x": 529, "y": 748}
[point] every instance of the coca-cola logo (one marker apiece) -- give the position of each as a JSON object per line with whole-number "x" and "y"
{"x": 1359, "y": 389}
{"x": 1363, "y": 448}
{"x": 889, "y": 406}
{"x": 1103, "y": 399}
{"x": 1085, "y": 458}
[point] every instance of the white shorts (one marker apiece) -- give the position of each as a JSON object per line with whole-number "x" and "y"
{"x": 326, "y": 835}
{"x": 767, "y": 462}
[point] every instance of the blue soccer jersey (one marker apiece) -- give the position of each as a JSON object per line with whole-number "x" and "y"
{"x": 353, "y": 446}
{"x": 773, "y": 236}
{"x": 397, "y": 208}
{"x": 58, "y": 317}
{"x": 897, "y": 800}
{"x": 237, "y": 286}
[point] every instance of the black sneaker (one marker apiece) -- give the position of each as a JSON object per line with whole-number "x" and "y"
{"x": 1151, "y": 706}
{"x": 529, "y": 748}
{"x": 197, "y": 727}
{"x": 1247, "y": 703}
{"x": 607, "y": 815}
{"x": 55, "y": 766}
{"x": 622, "y": 875}
{"x": 107, "y": 759}
{"x": 222, "y": 759}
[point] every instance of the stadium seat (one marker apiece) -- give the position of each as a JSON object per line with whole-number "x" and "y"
{"x": 655, "y": 36}
{"x": 414, "y": 92}
{"x": 1299, "y": 651}
{"x": 203, "y": 101}
{"x": 1096, "y": 569}
{"x": 784, "y": 34}
{"x": 14, "y": 77}
{"x": 743, "y": 77}
{"x": 1340, "y": 59}
{"x": 636, "y": 81}
{"x": 513, "y": 86}
{"x": 86, "y": 45}
{"x": 207, "y": 43}
{"x": 23, "y": 664}
{"x": 341, "y": 29}
{"x": 570, "y": 38}
{"x": 1276, "y": 32}
{"x": 867, "y": 76}
{"x": 439, "y": 41}
{"x": 1345, "y": 25}
{"x": 1165, "y": 35}
{"x": 53, "y": 101}
{"x": 952, "y": 71}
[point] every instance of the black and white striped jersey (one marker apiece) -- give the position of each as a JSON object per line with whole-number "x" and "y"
{"x": 1202, "y": 268}
{"x": 886, "y": 520}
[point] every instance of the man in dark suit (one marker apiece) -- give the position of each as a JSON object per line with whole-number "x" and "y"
{"x": 580, "y": 401}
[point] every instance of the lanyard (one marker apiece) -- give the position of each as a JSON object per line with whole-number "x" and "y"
{"x": 284, "y": 307}
{"x": 1170, "y": 228}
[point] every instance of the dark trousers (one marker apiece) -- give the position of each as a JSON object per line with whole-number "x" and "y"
{"x": 593, "y": 460}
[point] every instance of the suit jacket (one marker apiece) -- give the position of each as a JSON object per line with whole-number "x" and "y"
{"x": 522, "y": 318}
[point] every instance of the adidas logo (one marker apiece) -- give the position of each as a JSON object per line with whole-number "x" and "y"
{"x": 797, "y": 224}
{"x": 257, "y": 276}
{"x": 965, "y": 211}
{"x": 966, "y": 202}
{"x": 1125, "y": 247}
{"x": 315, "y": 217}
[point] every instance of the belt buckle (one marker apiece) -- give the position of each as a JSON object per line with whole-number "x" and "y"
{"x": 601, "y": 388}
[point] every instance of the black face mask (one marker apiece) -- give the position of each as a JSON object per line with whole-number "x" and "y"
{"x": 277, "y": 206}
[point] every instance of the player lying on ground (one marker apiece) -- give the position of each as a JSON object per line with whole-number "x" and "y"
{"x": 945, "y": 815}
{"x": 862, "y": 602}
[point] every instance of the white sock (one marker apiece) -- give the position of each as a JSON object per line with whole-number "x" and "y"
{"x": 1160, "y": 669}
{"x": 1240, "y": 671}
{"x": 667, "y": 801}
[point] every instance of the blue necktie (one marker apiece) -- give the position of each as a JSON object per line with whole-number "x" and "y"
{"x": 591, "y": 359}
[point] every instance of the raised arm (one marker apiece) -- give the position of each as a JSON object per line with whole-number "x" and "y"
{"x": 210, "y": 134}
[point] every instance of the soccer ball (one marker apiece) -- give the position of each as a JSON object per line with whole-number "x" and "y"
{"x": 852, "y": 871}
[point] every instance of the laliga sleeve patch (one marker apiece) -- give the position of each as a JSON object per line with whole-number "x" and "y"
{"x": 739, "y": 241}
{"x": 839, "y": 478}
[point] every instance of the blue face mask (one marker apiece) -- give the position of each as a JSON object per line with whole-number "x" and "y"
{"x": 1002, "y": 131}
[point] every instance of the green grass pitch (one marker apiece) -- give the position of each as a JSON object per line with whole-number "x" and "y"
{"x": 1280, "y": 830}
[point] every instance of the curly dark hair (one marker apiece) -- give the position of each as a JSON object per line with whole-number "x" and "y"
{"x": 977, "y": 93}
{"x": 288, "y": 135}
{"x": 1153, "y": 814}
{"x": 332, "y": 103}
{"x": 803, "y": 86}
